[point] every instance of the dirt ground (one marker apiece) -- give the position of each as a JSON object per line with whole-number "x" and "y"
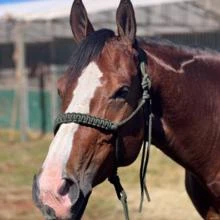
{"x": 19, "y": 162}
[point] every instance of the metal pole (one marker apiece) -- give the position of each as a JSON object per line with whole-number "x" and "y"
{"x": 54, "y": 71}
{"x": 21, "y": 78}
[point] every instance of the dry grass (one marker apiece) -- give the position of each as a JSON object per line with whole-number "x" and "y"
{"x": 18, "y": 163}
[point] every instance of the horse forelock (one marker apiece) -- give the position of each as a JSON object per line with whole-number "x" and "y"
{"x": 88, "y": 50}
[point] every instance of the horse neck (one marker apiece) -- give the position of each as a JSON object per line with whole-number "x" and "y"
{"x": 167, "y": 57}
{"x": 159, "y": 71}
{"x": 164, "y": 64}
{"x": 177, "y": 85}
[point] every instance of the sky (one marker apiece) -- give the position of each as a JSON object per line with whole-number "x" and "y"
{"x": 14, "y": 1}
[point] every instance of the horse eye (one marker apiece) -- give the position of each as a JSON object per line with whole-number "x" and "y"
{"x": 122, "y": 93}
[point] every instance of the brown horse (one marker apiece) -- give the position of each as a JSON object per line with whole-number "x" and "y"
{"x": 104, "y": 80}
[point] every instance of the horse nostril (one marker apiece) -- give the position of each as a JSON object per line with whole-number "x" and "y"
{"x": 71, "y": 187}
{"x": 65, "y": 187}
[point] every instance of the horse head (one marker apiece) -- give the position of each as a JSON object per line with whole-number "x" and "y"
{"x": 102, "y": 82}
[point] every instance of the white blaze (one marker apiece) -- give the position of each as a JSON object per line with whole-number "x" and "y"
{"x": 61, "y": 145}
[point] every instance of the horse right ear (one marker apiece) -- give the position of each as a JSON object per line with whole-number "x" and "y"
{"x": 125, "y": 18}
{"x": 79, "y": 21}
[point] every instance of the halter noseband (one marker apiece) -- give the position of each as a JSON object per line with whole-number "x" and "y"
{"x": 113, "y": 127}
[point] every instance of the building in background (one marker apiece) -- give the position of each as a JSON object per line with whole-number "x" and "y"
{"x": 40, "y": 31}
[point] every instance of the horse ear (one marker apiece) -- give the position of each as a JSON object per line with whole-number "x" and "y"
{"x": 79, "y": 21}
{"x": 125, "y": 18}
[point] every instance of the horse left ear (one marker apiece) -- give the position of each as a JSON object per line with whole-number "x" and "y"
{"x": 125, "y": 18}
{"x": 79, "y": 21}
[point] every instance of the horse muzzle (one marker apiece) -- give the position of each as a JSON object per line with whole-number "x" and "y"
{"x": 67, "y": 201}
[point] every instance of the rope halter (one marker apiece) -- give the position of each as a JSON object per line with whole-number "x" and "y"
{"x": 113, "y": 127}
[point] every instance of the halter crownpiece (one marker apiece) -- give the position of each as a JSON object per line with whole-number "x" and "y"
{"x": 113, "y": 127}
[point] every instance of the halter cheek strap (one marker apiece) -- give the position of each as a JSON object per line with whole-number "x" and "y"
{"x": 112, "y": 127}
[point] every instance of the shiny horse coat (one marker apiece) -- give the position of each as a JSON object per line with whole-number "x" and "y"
{"x": 103, "y": 80}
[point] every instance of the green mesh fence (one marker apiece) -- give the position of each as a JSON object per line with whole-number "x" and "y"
{"x": 39, "y": 109}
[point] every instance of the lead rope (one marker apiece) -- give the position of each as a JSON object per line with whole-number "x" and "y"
{"x": 146, "y": 85}
{"x": 120, "y": 192}
{"x": 144, "y": 164}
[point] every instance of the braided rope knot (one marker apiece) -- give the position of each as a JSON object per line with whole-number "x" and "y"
{"x": 146, "y": 82}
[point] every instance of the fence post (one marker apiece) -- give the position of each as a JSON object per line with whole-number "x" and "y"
{"x": 54, "y": 73}
{"x": 53, "y": 92}
{"x": 21, "y": 78}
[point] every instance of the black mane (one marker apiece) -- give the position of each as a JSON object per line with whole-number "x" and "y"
{"x": 88, "y": 50}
